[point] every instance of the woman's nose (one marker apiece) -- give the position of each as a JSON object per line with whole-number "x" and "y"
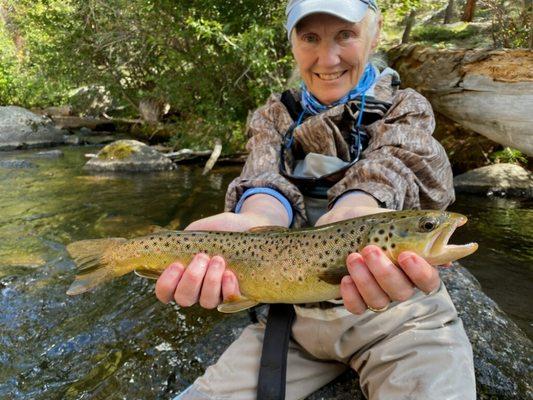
{"x": 328, "y": 55}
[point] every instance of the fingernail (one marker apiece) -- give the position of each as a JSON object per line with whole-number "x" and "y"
{"x": 409, "y": 261}
{"x": 355, "y": 259}
{"x": 215, "y": 263}
{"x": 371, "y": 251}
{"x": 346, "y": 281}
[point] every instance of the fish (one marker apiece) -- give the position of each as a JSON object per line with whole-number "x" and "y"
{"x": 274, "y": 264}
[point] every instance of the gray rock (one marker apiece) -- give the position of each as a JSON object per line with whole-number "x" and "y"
{"x": 16, "y": 164}
{"x": 502, "y": 352}
{"x": 49, "y": 154}
{"x": 20, "y": 128}
{"x": 500, "y": 179}
{"x": 128, "y": 156}
{"x": 90, "y": 101}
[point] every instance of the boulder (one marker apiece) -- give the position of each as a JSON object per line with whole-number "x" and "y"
{"x": 128, "y": 156}
{"x": 502, "y": 352}
{"x": 90, "y": 101}
{"x": 20, "y": 128}
{"x": 502, "y": 179}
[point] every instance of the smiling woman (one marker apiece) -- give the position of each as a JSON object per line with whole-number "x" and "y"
{"x": 348, "y": 143}
{"x": 332, "y": 54}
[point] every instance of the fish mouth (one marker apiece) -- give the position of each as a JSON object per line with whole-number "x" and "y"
{"x": 440, "y": 252}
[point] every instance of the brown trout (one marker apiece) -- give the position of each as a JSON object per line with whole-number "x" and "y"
{"x": 274, "y": 265}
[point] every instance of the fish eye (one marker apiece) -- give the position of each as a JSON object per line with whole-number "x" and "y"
{"x": 427, "y": 224}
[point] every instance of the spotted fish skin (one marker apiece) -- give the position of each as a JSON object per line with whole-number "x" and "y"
{"x": 273, "y": 265}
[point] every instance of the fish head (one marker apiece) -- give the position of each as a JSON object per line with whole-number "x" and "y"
{"x": 425, "y": 233}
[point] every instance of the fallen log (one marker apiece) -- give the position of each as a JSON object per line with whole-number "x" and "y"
{"x": 487, "y": 91}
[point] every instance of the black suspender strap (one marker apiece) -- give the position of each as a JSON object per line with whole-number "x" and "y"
{"x": 273, "y": 368}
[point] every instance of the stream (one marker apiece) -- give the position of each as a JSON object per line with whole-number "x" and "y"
{"x": 119, "y": 341}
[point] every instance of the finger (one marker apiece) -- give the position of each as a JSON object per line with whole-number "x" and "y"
{"x": 211, "y": 287}
{"x": 365, "y": 282}
{"x": 420, "y": 272}
{"x": 167, "y": 282}
{"x": 189, "y": 286}
{"x": 352, "y": 299}
{"x": 230, "y": 286}
{"x": 388, "y": 276}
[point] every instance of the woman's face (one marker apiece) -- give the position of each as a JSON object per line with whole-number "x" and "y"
{"x": 331, "y": 54}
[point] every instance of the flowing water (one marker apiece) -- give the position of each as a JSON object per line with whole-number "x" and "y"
{"x": 119, "y": 341}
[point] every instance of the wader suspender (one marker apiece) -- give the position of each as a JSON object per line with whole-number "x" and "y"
{"x": 273, "y": 366}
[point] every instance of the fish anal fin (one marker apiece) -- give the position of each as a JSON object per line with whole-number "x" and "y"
{"x": 333, "y": 275}
{"x": 268, "y": 228}
{"x": 147, "y": 273}
{"x": 236, "y": 304}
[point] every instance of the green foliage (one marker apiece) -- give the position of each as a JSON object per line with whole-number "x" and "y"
{"x": 508, "y": 155}
{"x": 444, "y": 33}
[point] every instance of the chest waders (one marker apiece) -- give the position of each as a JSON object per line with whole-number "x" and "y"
{"x": 273, "y": 365}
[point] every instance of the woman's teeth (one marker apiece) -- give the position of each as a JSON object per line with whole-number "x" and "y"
{"x": 330, "y": 77}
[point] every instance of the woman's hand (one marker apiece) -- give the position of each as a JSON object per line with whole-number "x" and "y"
{"x": 375, "y": 281}
{"x": 205, "y": 280}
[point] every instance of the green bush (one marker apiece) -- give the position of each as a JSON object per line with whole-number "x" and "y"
{"x": 440, "y": 33}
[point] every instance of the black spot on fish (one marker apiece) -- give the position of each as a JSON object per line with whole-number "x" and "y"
{"x": 327, "y": 252}
{"x": 336, "y": 241}
{"x": 352, "y": 243}
{"x": 169, "y": 235}
{"x": 185, "y": 239}
{"x": 381, "y": 231}
{"x": 314, "y": 236}
{"x": 160, "y": 239}
{"x": 391, "y": 227}
{"x": 393, "y": 245}
{"x": 361, "y": 228}
{"x": 390, "y": 234}
{"x": 167, "y": 244}
{"x": 376, "y": 239}
{"x": 300, "y": 279}
{"x": 324, "y": 242}
{"x": 352, "y": 231}
{"x": 338, "y": 252}
{"x": 343, "y": 235}
{"x": 151, "y": 238}
{"x": 339, "y": 230}
{"x": 188, "y": 246}
{"x": 142, "y": 241}
{"x": 324, "y": 265}
{"x": 358, "y": 240}
{"x": 384, "y": 248}
{"x": 201, "y": 240}
{"x": 146, "y": 247}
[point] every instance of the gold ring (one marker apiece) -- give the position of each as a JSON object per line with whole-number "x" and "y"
{"x": 378, "y": 310}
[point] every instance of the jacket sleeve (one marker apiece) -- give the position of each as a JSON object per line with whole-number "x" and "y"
{"x": 403, "y": 167}
{"x": 266, "y": 129}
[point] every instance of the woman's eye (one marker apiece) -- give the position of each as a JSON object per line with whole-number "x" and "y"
{"x": 345, "y": 35}
{"x": 310, "y": 38}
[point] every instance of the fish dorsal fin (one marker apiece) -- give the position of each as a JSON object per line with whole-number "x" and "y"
{"x": 236, "y": 304}
{"x": 334, "y": 274}
{"x": 147, "y": 273}
{"x": 268, "y": 228}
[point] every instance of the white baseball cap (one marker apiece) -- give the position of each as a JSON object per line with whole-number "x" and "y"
{"x": 349, "y": 10}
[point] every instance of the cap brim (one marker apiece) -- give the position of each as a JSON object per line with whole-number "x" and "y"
{"x": 348, "y": 10}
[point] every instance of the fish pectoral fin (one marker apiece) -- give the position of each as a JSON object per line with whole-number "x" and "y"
{"x": 147, "y": 273}
{"x": 268, "y": 228}
{"x": 236, "y": 304}
{"x": 334, "y": 274}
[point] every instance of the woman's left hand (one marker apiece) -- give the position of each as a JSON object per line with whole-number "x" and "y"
{"x": 375, "y": 281}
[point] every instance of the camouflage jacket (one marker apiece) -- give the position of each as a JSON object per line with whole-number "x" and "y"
{"x": 403, "y": 166}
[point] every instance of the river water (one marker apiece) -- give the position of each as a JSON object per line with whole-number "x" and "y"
{"x": 119, "y": 341}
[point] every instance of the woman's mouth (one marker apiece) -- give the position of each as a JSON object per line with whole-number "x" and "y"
{"x": 331, "y": 76}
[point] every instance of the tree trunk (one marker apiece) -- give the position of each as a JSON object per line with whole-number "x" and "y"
{"x": 408, "y": 26}
{"x": 448, "y": 15}
{"x": 470, "y": 8}
{"x": 487, "y": 91}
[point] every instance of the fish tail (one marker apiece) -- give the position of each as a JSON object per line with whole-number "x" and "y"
{"x": 94, "y": 268}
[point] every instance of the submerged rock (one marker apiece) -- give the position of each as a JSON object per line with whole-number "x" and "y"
{"x": 20, "y": 128}
{"x": 50, "y": 154}
{"x": 502, "y": 352}
{"x": 16, "y": 164}
{"x": 128, "y": 156}
{"x": 500, "y": 179}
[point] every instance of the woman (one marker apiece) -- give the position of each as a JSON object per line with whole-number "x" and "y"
{"x": 315, "y": 158}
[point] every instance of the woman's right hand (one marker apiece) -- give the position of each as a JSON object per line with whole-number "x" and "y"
{"x": 205, "y": 280}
